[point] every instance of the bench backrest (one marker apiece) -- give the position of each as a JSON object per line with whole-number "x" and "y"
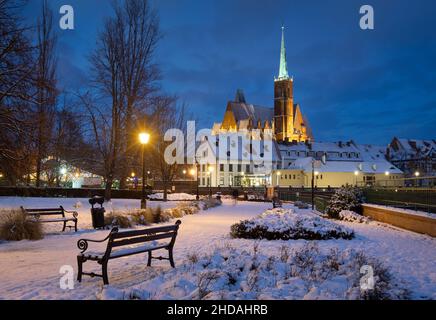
{"x": 125, "y": 238}
{"x": 44, "y": 211}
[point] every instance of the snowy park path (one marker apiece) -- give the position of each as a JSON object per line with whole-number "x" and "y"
{"x": 30, "y": 269}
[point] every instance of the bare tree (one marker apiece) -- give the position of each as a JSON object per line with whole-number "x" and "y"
{"x": 45, "y": 82}
{"x": 16, "y": 66}
{"x": 137, "y": 30}
{"x": 106, "y": 118}
{"x": 166, "y": 114}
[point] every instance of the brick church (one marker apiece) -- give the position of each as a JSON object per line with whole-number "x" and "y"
{"x": 286, "y": 120}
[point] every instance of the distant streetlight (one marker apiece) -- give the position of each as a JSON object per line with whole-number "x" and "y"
{"x": 132, "y": 174}
{"x": 144, "y": 138}
{"x": 356, "y": 173}
{"x": 386, "y": 173}
{"x": 184, "y": 171}
{"x": 417, "y": 174}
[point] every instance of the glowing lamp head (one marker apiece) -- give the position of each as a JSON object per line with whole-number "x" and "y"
{"x": 63, "y": 170}
{"x": 144, "y": 138}
{"x": 279, "y": 173}
{"x": 210, "y": 169}
{"x": 386, "y": 173}
{"x": 316, "y": 173}
{"x": 132, "y": 174}
{"x": 192, "y": 172}
{"x": 184, "y": 171}
{"x": 417, "y": 174}
{"x": 356, "y": 173}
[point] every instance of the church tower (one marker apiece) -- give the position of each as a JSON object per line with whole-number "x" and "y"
{"x": 283, "y": 99}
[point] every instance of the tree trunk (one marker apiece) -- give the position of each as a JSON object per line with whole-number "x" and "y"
{"x": 108, "y": 189}
{"x": 165, "y": 193}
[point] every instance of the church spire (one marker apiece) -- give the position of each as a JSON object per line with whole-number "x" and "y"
{"x": 283, "y": 71}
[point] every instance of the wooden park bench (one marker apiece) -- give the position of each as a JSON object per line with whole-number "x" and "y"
{"x": 119, "y": 245}
{"x": 53, "y": 215}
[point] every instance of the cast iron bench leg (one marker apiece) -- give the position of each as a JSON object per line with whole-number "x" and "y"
{"x": 170, "y": 254}
{"x": 79, "y": 271}
{"x": 149, "y": 259}
{"x": 104, "y": 272}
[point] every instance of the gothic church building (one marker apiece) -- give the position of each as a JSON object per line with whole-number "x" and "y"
{"x": 286, "y": 120}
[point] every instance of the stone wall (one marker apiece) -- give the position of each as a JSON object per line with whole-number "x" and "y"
{"x": 400, "y": 218}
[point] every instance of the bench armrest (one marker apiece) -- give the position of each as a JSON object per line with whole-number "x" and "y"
{"x": 74, "y": 213}
{"x": 82, "y": 244}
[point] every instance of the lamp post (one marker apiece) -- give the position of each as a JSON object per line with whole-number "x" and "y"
{"x": 416, "y": 175}
{"x": 356, "y": 173}
{"x": 192, "y": 174}
{"x": 197, "y": 167}
{"x": 209, "y": 173}
{"x": 143, "y": 140}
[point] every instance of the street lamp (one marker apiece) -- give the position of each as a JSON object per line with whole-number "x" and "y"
{"x": 209, "y": 180}
{"x": 356, "y": 173}
{"x": 416, "y": 173}
{"x": 144, "y": 138}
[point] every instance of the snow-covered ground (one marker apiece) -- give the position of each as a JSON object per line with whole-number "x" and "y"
{"x": 31, "y": 269}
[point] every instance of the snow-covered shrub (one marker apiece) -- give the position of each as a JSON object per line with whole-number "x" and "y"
{"x": 346, "y": 198}
{"x": 210, "y": 203}
{"x": 16, "y": 225}
{"x": 284, "y": 224}
{"x": 182, "y": 209}
{"x": 351, "y": 216}
{"x": 118, "y": 219}
{"x": 307, "y": 273}
{"x": 149, "y": 216}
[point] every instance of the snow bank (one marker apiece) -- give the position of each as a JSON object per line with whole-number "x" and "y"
{"x": 285, "y": 224}
{"x": 229, "y": 273}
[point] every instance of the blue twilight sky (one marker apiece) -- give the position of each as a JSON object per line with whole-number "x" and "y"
{"x": 352, "y": 84}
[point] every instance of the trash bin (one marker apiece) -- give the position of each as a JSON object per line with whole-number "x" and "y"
{"x": 97, "y": 214}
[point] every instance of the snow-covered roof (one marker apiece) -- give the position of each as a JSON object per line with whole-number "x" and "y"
{"x": 403, "y": 149}
{"x": 244, "y": 111}
{"x": 236, "y": 147}
{"x": 367, "y": 167}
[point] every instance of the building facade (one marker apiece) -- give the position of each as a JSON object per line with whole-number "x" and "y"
{"x": 256, "y": 146}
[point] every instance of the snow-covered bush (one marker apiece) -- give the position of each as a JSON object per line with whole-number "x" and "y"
{"x": 149, "y": 216}
{"x": 157, "y": 215}
{"x": 183, "y": 209}
{"x": 208, "y": 203}
{"x": 172, "y": 196}
{"x": 284, "y": 224}
{"x": 346, "y": 198}
{"x": 304, "y": 273}
{"x": 16, "y": 225}
{"x": 351, "y": 216}
{"x": 118, "y": 219}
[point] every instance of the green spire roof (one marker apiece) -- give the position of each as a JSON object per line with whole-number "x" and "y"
{"x": 283, "y": 71}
